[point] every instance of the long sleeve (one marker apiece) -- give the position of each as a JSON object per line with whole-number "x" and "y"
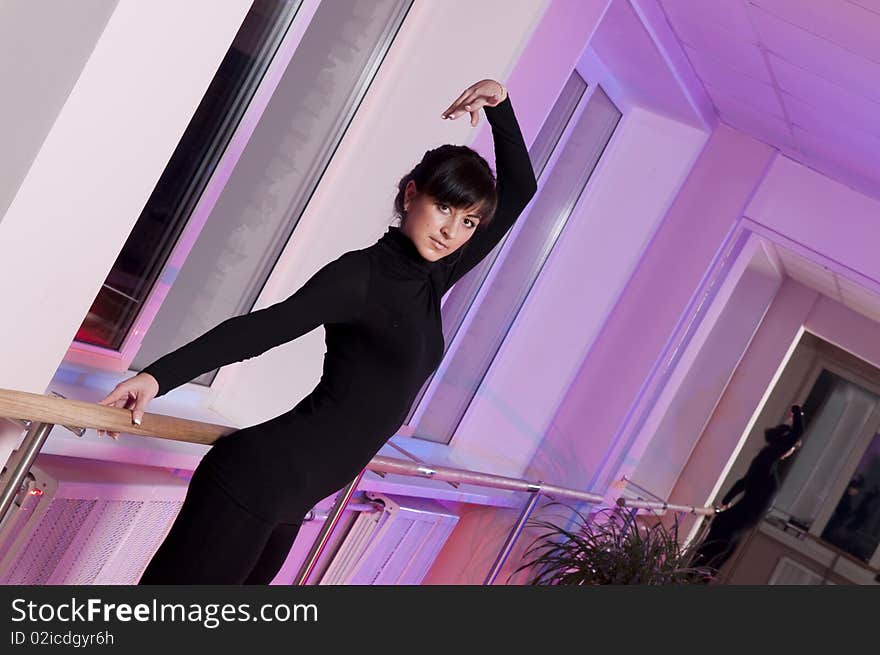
{"x": 738, "y": 487}
{"x": 337, "y": 293}
{"x": 782, "y": 446}
{"x": 515, "y": 182}
{"x": 762, "y": 468}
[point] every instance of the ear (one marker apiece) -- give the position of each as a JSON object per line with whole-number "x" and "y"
{"x": 409, "y": 193}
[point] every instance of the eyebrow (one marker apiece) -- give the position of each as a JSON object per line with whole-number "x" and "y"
{"x": 479, "y": 217}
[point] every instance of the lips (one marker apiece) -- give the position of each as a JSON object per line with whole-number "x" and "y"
{"x": 438, "y": 244}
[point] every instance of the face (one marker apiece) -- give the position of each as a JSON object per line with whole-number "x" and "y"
{"x": 436, "y": 229}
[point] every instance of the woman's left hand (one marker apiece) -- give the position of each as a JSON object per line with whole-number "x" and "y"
{"x": 484, "y": 92}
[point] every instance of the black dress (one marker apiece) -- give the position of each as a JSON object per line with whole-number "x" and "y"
{"x": 380, "y": 307}
{"x": 758, "y": 488}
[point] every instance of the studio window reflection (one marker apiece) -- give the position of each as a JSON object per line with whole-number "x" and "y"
{"x": 855, "y": 524}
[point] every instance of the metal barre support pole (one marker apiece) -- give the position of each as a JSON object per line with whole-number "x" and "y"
{"x": 512, "y": 536}
{"x": 28, "y": 451}
{"x": 650, "y": 504}
{"x": 323, "y": 537}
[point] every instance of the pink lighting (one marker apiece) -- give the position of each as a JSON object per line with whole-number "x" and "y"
{"x": 800, "y": 75}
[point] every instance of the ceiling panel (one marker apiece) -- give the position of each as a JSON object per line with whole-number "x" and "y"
{"x": 819, "y": 58}
{"x": 873, "y": 5}
{"x": 848, "y": 25}
{"x": 827, "y": 97}
{"x": 760, "y": 97}
{"x": 725, "y": 45}
{"x": 728, "y": 15}
{"x": 818, "y": 55}
{"x": 809, "y": 273}
{"x": 859, "y": 298}
{"x": 767, "y": 127}
{"x": 838, "y": 136}
{"x": 753, "y": 66}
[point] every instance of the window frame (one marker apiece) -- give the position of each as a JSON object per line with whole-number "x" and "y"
{"x": 106, "y": 359}
{"x": 825, "y": 360}
{"x": 426, "y": 399}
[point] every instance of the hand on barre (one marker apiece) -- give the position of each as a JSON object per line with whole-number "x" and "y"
{"x": 134, "y": 394}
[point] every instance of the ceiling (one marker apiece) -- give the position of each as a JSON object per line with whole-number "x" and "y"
{"x": 814, "y": 275}
{"x": 800, "y": 75}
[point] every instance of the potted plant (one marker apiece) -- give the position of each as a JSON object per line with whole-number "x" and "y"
{"x": 610, "y": 547}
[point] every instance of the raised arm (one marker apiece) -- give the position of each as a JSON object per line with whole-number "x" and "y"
{"x": 786, "y": 443}
{"x": 335, "y": 294}
{"x": 515, "y": 182}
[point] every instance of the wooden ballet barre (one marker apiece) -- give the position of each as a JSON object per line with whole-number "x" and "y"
{"x": 62, "y": 411}
{"x": 44, "y": 412}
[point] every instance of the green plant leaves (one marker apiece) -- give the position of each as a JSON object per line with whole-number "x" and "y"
{"x": 609, "y": 547}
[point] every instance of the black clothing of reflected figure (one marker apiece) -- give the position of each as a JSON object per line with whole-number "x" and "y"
{"x": 380, "y": 307}
{"x": 845, "y": 528}
{"x": 758, "y": 487}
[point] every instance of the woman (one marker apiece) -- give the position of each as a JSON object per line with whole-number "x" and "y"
{"x": 381, "y": 310}
{"x": 758, "y": 487}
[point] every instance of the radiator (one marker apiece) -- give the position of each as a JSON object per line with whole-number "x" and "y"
{"x": 790, "y": 572}
{"x": 395, "y": 546}
{"x": 81, "y": 522}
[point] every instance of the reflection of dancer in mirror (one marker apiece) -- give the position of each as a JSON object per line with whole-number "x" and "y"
{"x": 843, "y": 512}
{"x": 758, "y": 487}
{"x": 380, "y": 306}
{"x": 846, "y": 528}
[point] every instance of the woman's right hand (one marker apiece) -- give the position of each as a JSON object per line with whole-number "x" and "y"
{"x": 482, "y": 93}
{"x": 134, "y": 394}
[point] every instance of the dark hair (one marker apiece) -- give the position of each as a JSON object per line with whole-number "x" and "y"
{"x": 454, "y": 175}
{"x": 777, "y": 433}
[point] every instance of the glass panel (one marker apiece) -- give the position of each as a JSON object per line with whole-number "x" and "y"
{"x": 474, "y": 351}
{"x": 842, "y": 410}
{"x": 279, "y": 169}
{"x": 855, "y": 524}
{"x": 462, "y": 295}
{"x": 459, "y": 299}
{"x": 179, "y": 188}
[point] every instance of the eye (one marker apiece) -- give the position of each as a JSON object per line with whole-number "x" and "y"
{"x": 472, "y": 224}
{"x": 442, "y": 207}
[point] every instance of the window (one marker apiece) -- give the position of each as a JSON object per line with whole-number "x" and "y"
{"x": 284, "y": 160}
{"x": 854, "y": 525}
{"x": 179, "y": 188}
{"x": 590, "y": 120}
{"x": 832, "y": 485}
{"x": 242, "y": 176}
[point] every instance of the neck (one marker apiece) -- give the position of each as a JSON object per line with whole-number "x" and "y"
{"x": 404, "y": 254}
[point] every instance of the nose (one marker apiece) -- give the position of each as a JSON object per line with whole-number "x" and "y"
{"x": 450, "y": 229}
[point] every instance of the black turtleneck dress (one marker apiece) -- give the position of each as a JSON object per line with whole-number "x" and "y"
{"x": 758, "y": 488}
{"x": 380, "y": 307}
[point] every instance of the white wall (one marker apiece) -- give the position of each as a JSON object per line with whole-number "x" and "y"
{"x": 806, "y": 210}
{"x": 822, "y": 214}
{"x": 706, "y": 369}
{"x": 600, "y": 246}
{"x": 398, "y": 120}
{"x": 741, "y": 402}
{"x": 581, "y": 447}
{"x": 94, "y": 172}
{"x": 41, "y": 56}
{"x": 351, "y": 208}
{"x": 795, "y": 307}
